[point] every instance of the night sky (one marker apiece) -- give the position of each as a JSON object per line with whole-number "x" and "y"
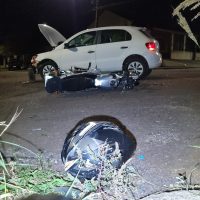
{"x": 19, "y": 18}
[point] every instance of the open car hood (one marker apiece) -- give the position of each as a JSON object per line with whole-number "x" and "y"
{"x": 52, "y": 35}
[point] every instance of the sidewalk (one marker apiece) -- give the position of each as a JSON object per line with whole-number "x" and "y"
{"x": 167, "y": 63}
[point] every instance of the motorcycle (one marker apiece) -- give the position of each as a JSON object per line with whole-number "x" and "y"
{"x": 61, "y": 81}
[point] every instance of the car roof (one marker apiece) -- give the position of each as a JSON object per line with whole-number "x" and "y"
{"x": 112, "y": 27}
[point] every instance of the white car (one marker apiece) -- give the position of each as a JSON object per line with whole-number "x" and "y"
{"x": 106, "y": 49}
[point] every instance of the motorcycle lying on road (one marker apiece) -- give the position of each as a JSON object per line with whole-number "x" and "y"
{"x": 63, "y": 81}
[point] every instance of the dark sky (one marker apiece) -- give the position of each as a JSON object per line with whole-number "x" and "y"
{"x": 19, "y": 18}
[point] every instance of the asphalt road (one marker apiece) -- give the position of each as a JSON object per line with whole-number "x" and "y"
{"x": 163, "y": 113}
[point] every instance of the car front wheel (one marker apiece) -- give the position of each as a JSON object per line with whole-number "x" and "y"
{"x": 137, "y": 66}
{"x": 47, "y": 68}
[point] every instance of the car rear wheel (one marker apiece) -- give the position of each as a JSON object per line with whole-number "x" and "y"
{"x": 137, "y": 66}
{"x": 47, "y": 68}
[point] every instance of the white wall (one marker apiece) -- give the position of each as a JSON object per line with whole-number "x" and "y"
{"x": 184, "y": 55}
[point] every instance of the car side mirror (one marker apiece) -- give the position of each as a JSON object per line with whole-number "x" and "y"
{"x": 69, "y": 46}
{"x": 66, "y": 46}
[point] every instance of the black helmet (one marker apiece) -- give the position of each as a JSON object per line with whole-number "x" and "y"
{"x": 87, "y": 137}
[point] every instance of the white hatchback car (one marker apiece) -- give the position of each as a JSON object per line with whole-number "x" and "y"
{"x": 106, "y": 49}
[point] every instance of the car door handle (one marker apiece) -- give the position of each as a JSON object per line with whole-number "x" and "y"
{"x": 91, "y": 51}
{"x": 124, "y": 47}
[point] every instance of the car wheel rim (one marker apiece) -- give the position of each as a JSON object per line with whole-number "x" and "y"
{"x": 48, "y": 69}
{"x": 135, "y": 68}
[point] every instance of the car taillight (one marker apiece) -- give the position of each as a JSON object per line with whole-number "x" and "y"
{"x": 151, "y": 46}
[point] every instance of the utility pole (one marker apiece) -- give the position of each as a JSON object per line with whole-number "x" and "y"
{"x": 96, "y": 13}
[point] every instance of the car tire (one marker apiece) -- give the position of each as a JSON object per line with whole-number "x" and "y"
{"x": 137, "y": 66}
{"x": 47, "y": 67}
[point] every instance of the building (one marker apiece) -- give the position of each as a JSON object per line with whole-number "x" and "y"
{"x": 176, "y": 45}
{"x": 108, "y": 18}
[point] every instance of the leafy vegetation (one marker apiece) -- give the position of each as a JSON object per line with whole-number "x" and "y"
{"x": 192, "y": 5}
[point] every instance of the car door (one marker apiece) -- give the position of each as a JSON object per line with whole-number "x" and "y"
{"x": 79, "y": 52}
{"x": 113, "y": 45}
